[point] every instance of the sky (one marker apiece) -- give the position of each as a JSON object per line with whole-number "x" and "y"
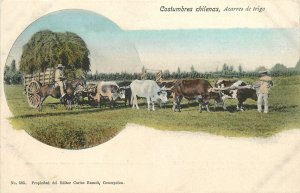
{"x": 115, "y": 50}
{"x": 109, "y": 46}
{"x": 209, "y": 49}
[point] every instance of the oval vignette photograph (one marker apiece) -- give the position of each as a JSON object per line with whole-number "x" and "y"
{"x": 52, "y": 79}
{"x": 74, "y": 79}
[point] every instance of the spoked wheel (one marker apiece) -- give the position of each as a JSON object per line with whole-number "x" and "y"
{"x": 32, "y": 97}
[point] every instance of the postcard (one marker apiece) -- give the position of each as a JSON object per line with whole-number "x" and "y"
{"x": 150, "y": 96}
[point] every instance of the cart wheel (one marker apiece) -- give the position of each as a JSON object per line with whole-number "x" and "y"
{"x": 33, "y": 87}
{"x": 33, "y": 100}
{"x": 32, "y": 97}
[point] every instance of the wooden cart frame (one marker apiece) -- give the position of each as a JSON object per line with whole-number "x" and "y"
{"x": 33, "y": 83}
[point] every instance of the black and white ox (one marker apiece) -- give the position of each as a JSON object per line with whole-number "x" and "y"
{"x": 168, "y": 85}
{"x": 148, "y": 89}
{"x": 125, "y": 91}
{"x": 235, "y": 89}
{"x": 109, "y": 89}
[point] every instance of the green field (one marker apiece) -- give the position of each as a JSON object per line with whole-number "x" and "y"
{"x": 87, "y": 126}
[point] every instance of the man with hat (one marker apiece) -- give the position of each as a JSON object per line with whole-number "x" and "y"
{"x": 264, "y": 84}
{"x": 59, "y": 78}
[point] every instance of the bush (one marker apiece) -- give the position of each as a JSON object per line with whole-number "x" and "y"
{"x": 12, "y": 76}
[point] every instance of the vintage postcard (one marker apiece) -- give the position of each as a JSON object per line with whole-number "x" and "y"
{"x": 150, "y": 96}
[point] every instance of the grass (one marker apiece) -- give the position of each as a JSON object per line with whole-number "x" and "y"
{"x": 87, "y": 126}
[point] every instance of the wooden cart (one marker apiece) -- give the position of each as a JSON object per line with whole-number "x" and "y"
{"x": 33, "y": 82}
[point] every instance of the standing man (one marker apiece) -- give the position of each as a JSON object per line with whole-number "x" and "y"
{"x": 59, "y": 78}
{"x": 264, "y": 84}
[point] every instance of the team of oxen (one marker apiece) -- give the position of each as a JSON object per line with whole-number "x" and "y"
{"x": 191, "y": 89}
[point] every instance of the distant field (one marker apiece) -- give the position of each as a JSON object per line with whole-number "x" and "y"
{"x": 87, "y": 126}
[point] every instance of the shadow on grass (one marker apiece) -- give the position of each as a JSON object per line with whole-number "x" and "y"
{"x": 87, "y": 109}
{"x": 84, "y": 109}
{"x": 77, "y": 109}
{"x": 283, "y": 108}
{"x": 231, "y": 108}
{"x": 277, "y": 108}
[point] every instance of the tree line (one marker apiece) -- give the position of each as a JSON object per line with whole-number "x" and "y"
{"x": 14, "y": 76}
{"x": 226, "y": 71}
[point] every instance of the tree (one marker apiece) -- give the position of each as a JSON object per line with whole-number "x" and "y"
{"x": 11, "y": 74}
{"x": 227, "y": 68}
{"x": 46, "y": 49}
{"x": 240, "y": 68}
{"x": 13, "y": 66}
{"x": 260, "y": 68}
{"x": 279, "y": 68}
{"x": 166, "y": 74}
{"x": 143, "y": 69}
{"x": 224, "y": 68}
{"x": 7, "y": 74}
{"x": 297, "y": 67}
{"x": 192, "y": 69}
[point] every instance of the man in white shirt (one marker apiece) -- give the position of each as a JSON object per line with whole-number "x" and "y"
{"x": 59, "y": 78}
{"x": 264, "y": 84}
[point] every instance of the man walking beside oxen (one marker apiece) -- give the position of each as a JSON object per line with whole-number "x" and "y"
{"x": 264, "y": 84}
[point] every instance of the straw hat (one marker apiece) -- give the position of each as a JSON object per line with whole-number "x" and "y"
{"x": 60, "y": 66}
{"x": 263, "y": 72}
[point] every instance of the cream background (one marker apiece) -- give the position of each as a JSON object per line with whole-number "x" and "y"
{"x": 145, "y": 14}
{"x": 149, "y": 160}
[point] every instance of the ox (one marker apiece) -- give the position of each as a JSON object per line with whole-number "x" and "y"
{"x": 126, "y": 91}
{"x": 243, "y": 94}
{"x": 221, "y": 83}
{"x": 168, "y": 85}
{"x": 234, "y": 92}
{"x": 199, "y": 89}
{"x": 148, "y": 89}
{"x": 108, "y": 90}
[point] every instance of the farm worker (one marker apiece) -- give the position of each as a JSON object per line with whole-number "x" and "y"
{"x": 264, "y": 84}
{"x": 59, "y": 78}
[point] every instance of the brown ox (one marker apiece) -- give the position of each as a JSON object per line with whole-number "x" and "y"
{"x": 196, "y": 89}
{"x": 108, "y": 90}
{"x": 243, "y": 95}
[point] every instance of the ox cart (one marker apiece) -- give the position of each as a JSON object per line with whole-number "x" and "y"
{"x": 33, "y": 82}
{"x": 39, "y": 86}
